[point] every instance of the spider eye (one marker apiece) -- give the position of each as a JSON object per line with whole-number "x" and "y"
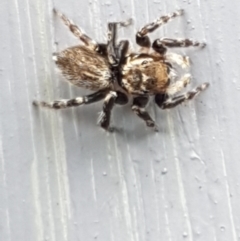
{"x": 144, "y": 62}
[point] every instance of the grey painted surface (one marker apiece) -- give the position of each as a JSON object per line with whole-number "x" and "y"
{"x": 63, "y": 178}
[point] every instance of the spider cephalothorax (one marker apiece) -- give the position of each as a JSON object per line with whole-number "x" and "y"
{"x": 115, "y": 73}
{"x": 145, "y": 74}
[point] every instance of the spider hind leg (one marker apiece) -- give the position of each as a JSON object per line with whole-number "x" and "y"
{"x": 65, "y": 103}
{"x": 77, "y": 31}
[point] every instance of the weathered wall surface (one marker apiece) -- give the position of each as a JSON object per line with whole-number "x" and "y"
{"x": 63, "y": 179}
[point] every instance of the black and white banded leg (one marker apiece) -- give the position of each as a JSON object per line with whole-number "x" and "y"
{"x": 77, "y": 31}
{"x": 65, "y": 103}
{"x": 138, "y": 107}
{"x": 164, "y": 102}
{"x": 141, "y": 37}
{"x": 105, "y": 115}
{"x": 161, "y": 45}
{"x": 172, "y": 43}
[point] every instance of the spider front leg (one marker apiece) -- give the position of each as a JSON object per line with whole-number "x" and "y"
{"x": 164, "y": 102}
{"x": 172, "y": 43}
{"x": 141, "y": 37}
{"x": 64, "y": 103}
{"x": 138, "y": 107}
{"x": 77, "y": 31}
{"x": 175, "y": 43}
{"x": 161, "y": 45}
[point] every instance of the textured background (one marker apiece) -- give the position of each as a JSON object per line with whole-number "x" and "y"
{"x": 63, "y": 178}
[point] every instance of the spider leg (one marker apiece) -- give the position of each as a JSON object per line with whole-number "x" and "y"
{"x": 164, "y": 102}
{"x": 141, "y": 37}
{"x": 173, "y": 43}
{"x": 121, "y": 98}
{"x": 64, "y": 103}
{"x": 138, "y": 107}
{"x": 77, "y": 31}
{"x": 161, "y": 45}
{"x": 105, "y": 115}
{"x": 116, "y": 53}
{"x": 121, "y": 50}
{"x": 160, "y": 99}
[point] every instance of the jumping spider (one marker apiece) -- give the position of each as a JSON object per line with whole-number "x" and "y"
{"x": 115, "y": 73}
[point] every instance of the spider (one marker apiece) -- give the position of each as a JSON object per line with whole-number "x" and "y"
{"x": 115, "y": 73}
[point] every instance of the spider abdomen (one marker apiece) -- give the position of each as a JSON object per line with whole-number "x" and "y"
{"x": 84, "y": 67}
